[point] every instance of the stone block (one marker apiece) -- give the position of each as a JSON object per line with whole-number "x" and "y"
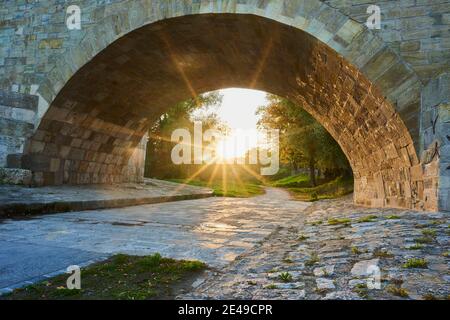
{"x": 36, "y": 162}
{"x": 14, "y": 161}
{"x": 15, "y": 176}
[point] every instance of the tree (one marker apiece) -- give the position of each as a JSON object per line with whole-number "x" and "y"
{"x": 158, "y": 161}
{"x": 303, "y": 141}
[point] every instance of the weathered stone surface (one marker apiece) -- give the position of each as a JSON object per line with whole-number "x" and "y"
{"x": 20, "y": 201}
{"x": 435, "y": 145}
{"x": 15, "y": 176}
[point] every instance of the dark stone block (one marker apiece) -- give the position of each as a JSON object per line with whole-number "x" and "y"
{"x": 36, "y": 162}
{"x": 14, "y": 161}
{"x": 19, "y": 100}
{"x": 15, "y": 128}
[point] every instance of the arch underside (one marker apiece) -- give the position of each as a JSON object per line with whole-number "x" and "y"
{"x": 99, "y": 117}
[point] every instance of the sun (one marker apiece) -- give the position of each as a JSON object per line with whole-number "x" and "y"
{"x": 236, "y": 145}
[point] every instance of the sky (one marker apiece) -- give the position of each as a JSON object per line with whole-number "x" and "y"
{"x": 239, "y": 106}
{"x": 237, "y": 111}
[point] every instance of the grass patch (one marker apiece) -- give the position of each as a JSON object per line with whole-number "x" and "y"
{"x": 271, "y": 287}
{"x": 399, "y": 292}
{"x": 392, "y": 217}
{"x": 416, "y": 263}
{"x": 370, "y": 218}
{"x": 120, "y": 277}
{"x": 417, "y": 246}
{"x": 316, "y": 223}
{"x": 429, "y": 232}
{"x": 329, "y": 190}
{"x": 429, "y": 296}
{"x": 362, "y": 290}
{"x": 297, "y": 181}
{"x": 336, "y": 221}
{"x": 302, "y": 238}
{"x": 378, "y": 253}
{"x": 312, "y": 260}
{"x": 228, "y": 188}
{"x": 356, "y": 251}
{"x": 424, "y": 240}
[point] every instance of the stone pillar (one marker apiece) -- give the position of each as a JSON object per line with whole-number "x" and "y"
{"x": 435, "y": 143}
{"x": 134, "y": 172}
{"x": 18, "y": 113}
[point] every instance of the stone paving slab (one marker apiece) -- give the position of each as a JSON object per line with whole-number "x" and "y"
{"x": 16, "y": 258}
{"x": 17, "y": 201}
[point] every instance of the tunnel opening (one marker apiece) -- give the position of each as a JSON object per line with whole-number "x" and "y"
{"x": 92, "y": 131}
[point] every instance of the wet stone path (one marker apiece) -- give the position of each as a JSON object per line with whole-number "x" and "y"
{"x": 266, "y": 247}
{"x": 213, "y": 230}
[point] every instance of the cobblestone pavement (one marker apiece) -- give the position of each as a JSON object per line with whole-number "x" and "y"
{"x": 322, "y": 255}
{"x": 214, "y": 230}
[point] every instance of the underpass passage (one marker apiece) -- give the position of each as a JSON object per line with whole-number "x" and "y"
{"x": 92, "y": 127}
{"x": 214, "y": 230}
{"x": 325, "y": 246}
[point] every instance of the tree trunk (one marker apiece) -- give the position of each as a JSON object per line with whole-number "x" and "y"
{"x": 312, "y": 172}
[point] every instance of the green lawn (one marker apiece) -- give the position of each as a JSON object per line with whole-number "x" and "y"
{"x": 297, "y": 181}
{"x": 120, "y": 277}
{"x": 231, "y": 188}
{"x": 329, "y": 190}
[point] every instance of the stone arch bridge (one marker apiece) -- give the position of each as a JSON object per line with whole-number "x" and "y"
{"x": 75, "y": 104}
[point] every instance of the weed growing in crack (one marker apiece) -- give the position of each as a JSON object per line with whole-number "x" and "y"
{"x": 416, "y": 263}
{"x": 399, "y": 292}
{"x": 312, "y": 260}
{"x": 285, "y": 277}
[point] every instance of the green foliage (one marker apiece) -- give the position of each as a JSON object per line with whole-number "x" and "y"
{"x": 303, "y": 141}
{"x": 370, "y": 218}
{"x": 336, "y": 221}
{"x": 296, "y": 181}
{"x": 333, "y": 189}
{"x": 158, "y": 162}
{"x": 227, "y": 188}
{"x": 392, "y": 217}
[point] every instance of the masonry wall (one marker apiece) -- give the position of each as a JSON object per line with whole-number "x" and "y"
{"x": 435, "y": 127}
{"x": 18, "y": 115}
{"x": 34, "y": 37}
{"x": 33, "y": 34}
{"x": 419, "y": 32}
